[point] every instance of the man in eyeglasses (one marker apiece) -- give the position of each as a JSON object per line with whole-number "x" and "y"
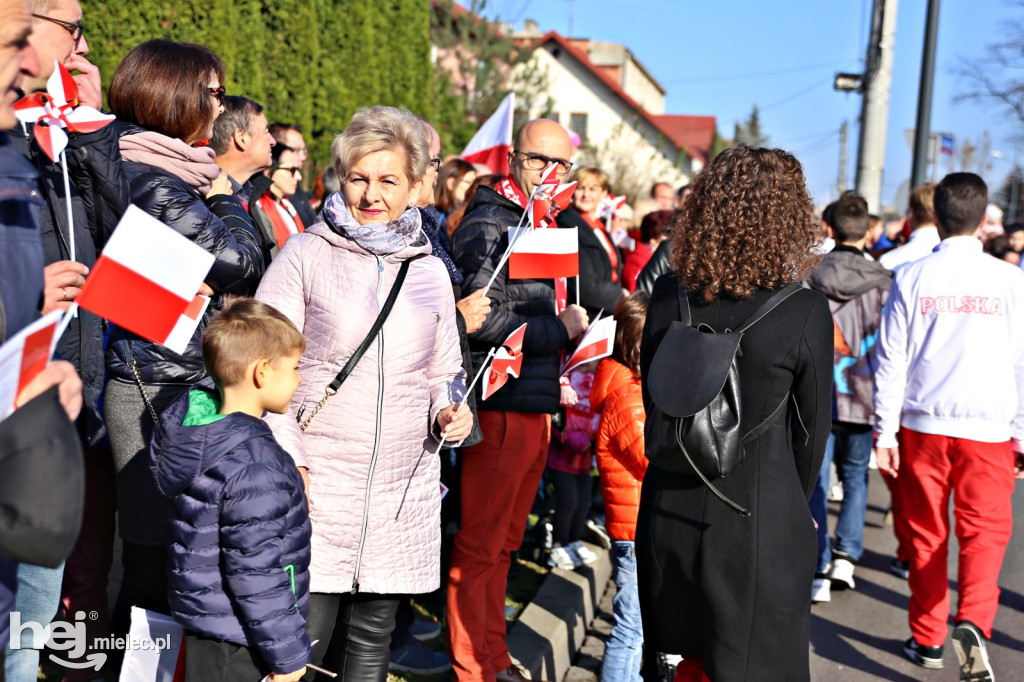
{"x": 290, "y": 136}
{"x": 500, "y": 474}
{"x": 99, "y": 196}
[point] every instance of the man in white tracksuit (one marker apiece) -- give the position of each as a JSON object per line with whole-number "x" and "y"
{"x": 950, "y": 381}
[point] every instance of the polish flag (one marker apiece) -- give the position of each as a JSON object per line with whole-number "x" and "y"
{"x": 146, "y": 278}
{"x": 597, "y": 342}
{"x": 508, "y": 361}
{"x": 493, "y": 141}
{"x": 544, "y": 253}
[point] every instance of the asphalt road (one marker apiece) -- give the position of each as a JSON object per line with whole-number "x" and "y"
{"x": 859, "y": 634}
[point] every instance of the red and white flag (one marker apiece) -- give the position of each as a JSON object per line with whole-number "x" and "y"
{"x": 508, "y": 361}
{"x": 24, "y": 356}
{"x": 187, "y": 323}
{"x": 493, "y": 141}
{"x": 596, "y": 343}
{"x": 544, "y": 253}
{"x": 146, "y": 277}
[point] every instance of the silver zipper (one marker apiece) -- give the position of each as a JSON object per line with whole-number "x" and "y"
{"x": 376, "y": 435}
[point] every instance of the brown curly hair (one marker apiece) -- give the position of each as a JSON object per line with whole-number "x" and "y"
{"x": 750, "y": 225}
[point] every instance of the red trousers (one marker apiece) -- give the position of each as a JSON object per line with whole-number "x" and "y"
{"x": 980, "y": 476}
{"x": 899, "y": 520}
{"x": 499, "y": 484}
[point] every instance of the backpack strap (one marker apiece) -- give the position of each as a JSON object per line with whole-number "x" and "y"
{"x": 769, "y": 305}
{"x": 684, "y": 305}
{"x": 755, "y": 317}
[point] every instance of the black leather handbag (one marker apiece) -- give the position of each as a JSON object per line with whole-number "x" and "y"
{"x": 694, "y": 383}
{"x": 42, "y": 488}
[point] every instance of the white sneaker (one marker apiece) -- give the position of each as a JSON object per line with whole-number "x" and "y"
{"x": 561, "y": 558}
{"x": 821, "y": 590}
{"x": 583, "y": 552}
{"x": 842, "y": 574}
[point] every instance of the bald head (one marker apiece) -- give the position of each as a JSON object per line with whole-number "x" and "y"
{"x": 539, "y": 143}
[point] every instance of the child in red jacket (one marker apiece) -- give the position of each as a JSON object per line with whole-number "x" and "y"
{"x": 622, "y": 462}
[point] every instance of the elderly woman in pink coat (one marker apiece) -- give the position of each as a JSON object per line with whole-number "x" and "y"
{"x": 374, "y": 490}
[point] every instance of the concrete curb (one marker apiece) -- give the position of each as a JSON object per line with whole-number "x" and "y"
{"x": 551, "y": 629}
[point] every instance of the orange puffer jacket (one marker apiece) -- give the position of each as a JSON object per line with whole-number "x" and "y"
{"x": 620, "y": 445}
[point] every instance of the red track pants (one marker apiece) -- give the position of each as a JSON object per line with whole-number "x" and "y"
{"x": 980, "y": 476}
{"x": 499, "y": 484}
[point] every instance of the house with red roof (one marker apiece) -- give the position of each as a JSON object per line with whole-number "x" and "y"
{"x": 604, "y": 94}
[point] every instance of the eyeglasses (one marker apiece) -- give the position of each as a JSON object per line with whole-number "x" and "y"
{"x": 534, "y": 161}
{"x": 293, "y": 171}
{"x": 75, "y": 30}
{"x": 217, "y": 92}
{"x": 436, "y": 163}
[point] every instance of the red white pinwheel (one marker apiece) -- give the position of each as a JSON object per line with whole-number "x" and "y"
{"x": 609, "y": 206}
{"x": 548, "y": 200}
{"x": 56, "y": 110}
{"x": 508, "y": 361}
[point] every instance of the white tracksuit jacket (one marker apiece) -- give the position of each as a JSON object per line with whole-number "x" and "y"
{"x": 950, "y": 353}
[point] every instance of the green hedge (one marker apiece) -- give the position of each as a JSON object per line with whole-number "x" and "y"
{"x": 311, "y": 62}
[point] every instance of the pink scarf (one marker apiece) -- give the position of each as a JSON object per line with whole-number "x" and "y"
{"x": 194, "y": 165}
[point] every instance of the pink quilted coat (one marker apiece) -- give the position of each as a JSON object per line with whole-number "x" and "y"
{"x": 374, "y": 481}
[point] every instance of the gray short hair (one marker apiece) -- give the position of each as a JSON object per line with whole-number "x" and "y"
{"x": 382, "y": 128}
{"x": 239, "y": 113}
{"x": 41, "y": 6}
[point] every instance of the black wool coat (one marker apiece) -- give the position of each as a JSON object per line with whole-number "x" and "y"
{"x": 737, "y": 590}
{"x": 597, "y": 291}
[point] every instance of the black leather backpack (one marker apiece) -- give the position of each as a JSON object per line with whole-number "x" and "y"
{"x": 695, "y": 386}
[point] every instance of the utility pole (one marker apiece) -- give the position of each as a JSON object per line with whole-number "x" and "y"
{"x": 844, "y": 134}
{"x": 875, "y": 108}
{"x": 924, "y": 96}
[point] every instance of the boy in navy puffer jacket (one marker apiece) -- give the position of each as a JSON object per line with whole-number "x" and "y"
{"x": 238, "y": 563}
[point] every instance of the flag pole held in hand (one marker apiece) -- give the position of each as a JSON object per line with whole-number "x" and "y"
{"x": 472, "y": 384}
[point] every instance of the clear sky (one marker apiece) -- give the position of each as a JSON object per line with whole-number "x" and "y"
{"x": 720, "y": 57}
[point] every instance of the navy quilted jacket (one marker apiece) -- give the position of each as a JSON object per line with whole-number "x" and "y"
{"x": 239, "y": 559}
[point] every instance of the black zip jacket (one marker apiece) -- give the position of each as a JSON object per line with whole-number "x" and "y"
{"x": 478, "y": 245}
{"x": 221, "y": 226}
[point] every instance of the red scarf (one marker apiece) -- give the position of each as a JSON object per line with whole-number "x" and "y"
{"x": 510, "y": 190}
{"x": 281, "y": 231}
{"x": 613, "y": 254}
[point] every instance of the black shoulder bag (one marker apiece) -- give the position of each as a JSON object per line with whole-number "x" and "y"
{"x": 353, "y": 360}
{"x": 695, "y": 386}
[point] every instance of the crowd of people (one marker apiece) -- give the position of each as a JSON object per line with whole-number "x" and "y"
{"x": 279, "y": 487}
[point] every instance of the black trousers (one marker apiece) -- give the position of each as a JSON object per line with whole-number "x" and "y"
{"x": 572, "y": 501}
{"x": 208, "y": 659}
{"x": 144, "y": 584}
{"x": 352, "y": 634}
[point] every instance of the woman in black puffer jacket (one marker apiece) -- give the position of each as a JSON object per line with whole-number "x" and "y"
{"x": 166, "y": 96}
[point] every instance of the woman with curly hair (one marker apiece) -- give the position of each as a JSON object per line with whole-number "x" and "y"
{"x": 728, "y": 592}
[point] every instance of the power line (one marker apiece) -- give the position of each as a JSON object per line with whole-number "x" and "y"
{"x": 742, "y": 76}
{"x": 790, "y": 98}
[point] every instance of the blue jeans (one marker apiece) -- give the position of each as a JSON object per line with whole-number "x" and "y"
{"x": 37, "y": 600}
{"x": 624, "y": 652}
{"x": 851, "y": 450}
